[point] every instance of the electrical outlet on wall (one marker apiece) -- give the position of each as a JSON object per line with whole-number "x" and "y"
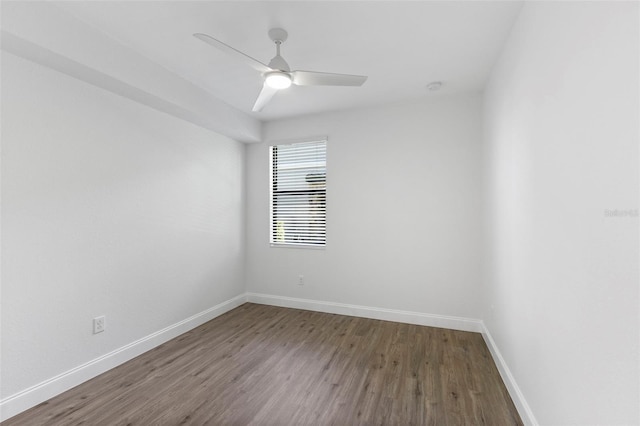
{"x": 300, "y": 279}
{"x": 99, "y": 324}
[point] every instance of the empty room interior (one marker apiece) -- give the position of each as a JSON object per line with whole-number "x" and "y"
{"x": 320, "y": 212}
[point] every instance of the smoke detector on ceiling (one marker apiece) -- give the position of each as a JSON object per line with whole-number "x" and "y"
{"x": 434, "y": 85}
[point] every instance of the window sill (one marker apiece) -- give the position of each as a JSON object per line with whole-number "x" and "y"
{"x": 299, "y": 246}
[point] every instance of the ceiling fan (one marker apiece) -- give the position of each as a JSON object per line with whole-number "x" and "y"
{"x": 277, "y": 75}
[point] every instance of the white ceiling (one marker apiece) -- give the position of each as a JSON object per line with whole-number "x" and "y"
{"x": 401, "y": 46}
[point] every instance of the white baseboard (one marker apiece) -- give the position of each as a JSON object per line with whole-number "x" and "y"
{"x": 41, "y": 392}
{"x": 510, "y": 382}
{"x": 418, "y": 318}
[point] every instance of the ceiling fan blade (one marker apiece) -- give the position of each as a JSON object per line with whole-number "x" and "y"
{"x": 312, "y": 78}
{"x": 233, "y": 52}
{"x": 264, "y": 97}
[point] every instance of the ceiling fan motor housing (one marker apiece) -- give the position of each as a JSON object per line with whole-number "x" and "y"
{"x": 278, "y": 63}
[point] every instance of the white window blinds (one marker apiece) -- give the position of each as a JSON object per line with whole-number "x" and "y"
{"x": 299, "y": 194}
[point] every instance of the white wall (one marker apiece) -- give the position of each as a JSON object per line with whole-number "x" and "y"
{"x": 403, "y": 202}
{"x": 562, "y": 132}
{"x": 108, "y": 208}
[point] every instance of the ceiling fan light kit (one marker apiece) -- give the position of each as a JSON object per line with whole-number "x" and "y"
{"x": 277, "y": 80}
{"x": 277, "y": 75}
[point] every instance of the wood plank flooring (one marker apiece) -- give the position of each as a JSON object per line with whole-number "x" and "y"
{"x": 264, "y": 365}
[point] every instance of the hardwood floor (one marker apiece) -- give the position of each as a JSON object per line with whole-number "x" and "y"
{"x": 264, "y": 365}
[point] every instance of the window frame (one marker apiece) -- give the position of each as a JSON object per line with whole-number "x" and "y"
{"x": 272, "y": 181}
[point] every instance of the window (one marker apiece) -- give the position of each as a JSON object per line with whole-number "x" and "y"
{"x": 299, "y": 194}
